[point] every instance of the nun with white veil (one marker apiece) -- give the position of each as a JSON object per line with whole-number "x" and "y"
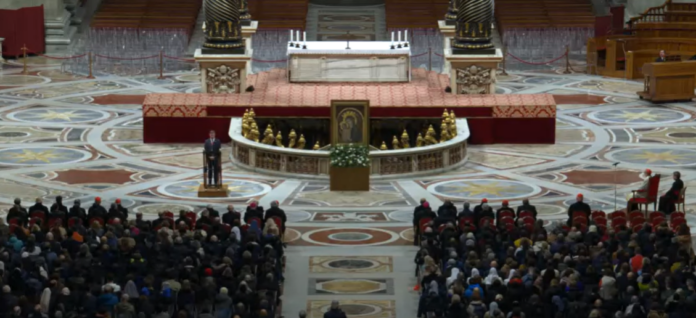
{"x": 45, "y": 302}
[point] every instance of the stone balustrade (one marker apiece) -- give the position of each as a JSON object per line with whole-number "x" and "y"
{"x": 315, "y": 163}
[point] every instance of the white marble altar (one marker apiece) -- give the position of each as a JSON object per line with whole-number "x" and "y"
{"x": 343, "y": 61}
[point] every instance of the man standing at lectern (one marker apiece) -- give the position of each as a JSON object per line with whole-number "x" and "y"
{"x": 662, "y": 57}
{"x": 212, "y": 148}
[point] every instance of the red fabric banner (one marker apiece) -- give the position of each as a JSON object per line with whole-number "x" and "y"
{"x": 617, "y": 14}
{"x": 603, "y": 25}
{"x": 21, "y": 27}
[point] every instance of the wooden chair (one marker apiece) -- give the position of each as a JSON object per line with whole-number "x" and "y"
{"x": 656, "y": 214}
{"x": 526, "y": 214}
{"x": 506, "y": 213}
{"x": 617, "y": 214}
{"x": 680, "y": 201}
{"x": 651, "y": 194}
{"x": 598, "y": 214}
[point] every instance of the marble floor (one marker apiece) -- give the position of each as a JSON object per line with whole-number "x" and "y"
{"x": 67, "y": 135}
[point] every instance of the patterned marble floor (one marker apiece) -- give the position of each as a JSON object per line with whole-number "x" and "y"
{"x": 80, "y": 138}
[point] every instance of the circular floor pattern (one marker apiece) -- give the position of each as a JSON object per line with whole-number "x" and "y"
{"x": 358, "y": 310}
{"x": 350, "y": 236}
{"x": 291, "y": 235}
{"x": 545, "y": 209}
{"x": 239, "y": 189}
{"x": 476, "y": 189}
{"x": 663, "y": 157}
{"x": 639, "y": 116}
{"x": 297, "y": 216}
{"x": 40, "y": 156}
{"x": 352, "y": 264}
{"x": 594, "y": 205}
{"x": 408, "y": 234}
{"x": 58, "y": 115}
{"x": 403, "y": 216}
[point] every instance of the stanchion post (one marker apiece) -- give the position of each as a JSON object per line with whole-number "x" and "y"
{"x": 567, "y": 55}
{"x": 504, "y": 72}
{"x": 90, "y": 65}
{"x": 24, "y": 52}
{"x": 161, "y": 64}
{"x": 430, "y": 59}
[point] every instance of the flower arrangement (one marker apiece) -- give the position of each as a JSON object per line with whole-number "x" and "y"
{"x": 349, "y": 156}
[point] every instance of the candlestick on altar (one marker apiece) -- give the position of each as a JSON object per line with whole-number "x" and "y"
{"x": 392, "y": 36}
{"x": 348, "y": 40}
{"x": 299, "y": 39}
{"x": 399, "y": 37}
{"x": 304, "y": 40}
{"x": 406, "y": 38}
{"x": 291, "y": 38}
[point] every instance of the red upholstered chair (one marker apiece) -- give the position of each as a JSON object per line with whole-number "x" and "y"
{"x": 205, "y": 227}
{"x": 638, "y": 220}
{"x": 526, "y": 214}
{"x": 192, "y": 216}
{"x": 656, "y": 214}
{"x": 680, "y": 200}
{"x": 635, "y": 214}
{"x": 579, "y": 215}
{"x": 73, "y": 221}
{"x": 617, "y": 214}
{"x": 676, "y": 215}
{"x": 637, "y": 227}
{"x": 598, "y": 214}
{"x": 506, "y": 213}
{"x": 168, "y": 215}
{"x": 423, "y": 224}
{"x": 96, "y": 219}
{"x": 651, "y": 195}
{"x": 463, "y": 220}
{"x": 35, "y": 220}
{"x": 506, "y": 221}
{"x": 227, "y": 228}
{"x": 602, "y": 221}
{"x": 55, "y": 221}
{"x": 483, "y": 220}
{"x": 674, "y": 224}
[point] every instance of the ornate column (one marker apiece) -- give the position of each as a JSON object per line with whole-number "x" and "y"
{"x": 451, "y": 15}
{"x": 224, "y": 58}
{"x": 223, "y": 27}
{"x": 473, "y": 27}
{"x": 244, "y": 13}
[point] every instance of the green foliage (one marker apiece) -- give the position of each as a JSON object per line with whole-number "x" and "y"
{"x": 350, "y": 156}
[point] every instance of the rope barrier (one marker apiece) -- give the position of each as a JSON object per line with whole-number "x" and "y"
{"x": 534, "y": 63}
{"x": 439, "y": 55}
{"x": 419, "y": 55}
{"x": 179, "y": 59}
{"x": 127, "y": 58}
{"x": 62, "y": 58}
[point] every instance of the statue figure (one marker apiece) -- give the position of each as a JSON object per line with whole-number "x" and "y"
{"x": 301, "y": 142}
{"x": 404, "y": 140}
{"x": 395, "y": 143}
{"x": 445, "y": 114}
{"x": 279, "y": 139}
{"x": 316, "y": 146}
{"x": 444, "y": 132}
{"x": 223, "y": 27}
{"x": 383, "y": 146}
{"x": 268, "y": 135}
{"x": 252, "y": 114}
{"x": 245, "y": 126}
{"x": 430, "y": 136}
{"x": 473, "y": 27}
{"x": 420, "y": 142}
{"x": 451, "y": 15}
{"x": 292, "y": 136}
{"x": 254, "y": 134}
{"x": 452, "y": 127}
{"x": 223, "y": 80}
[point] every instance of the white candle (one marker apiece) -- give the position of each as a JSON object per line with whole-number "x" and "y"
{"x": 392, "y": 36}
{"x": 398, "y": 36}
{"x": 406, "y": 36}
{"x": 304, "y": 36}
{"x": 290, "y": 35}
{"x": 298, "y": 36}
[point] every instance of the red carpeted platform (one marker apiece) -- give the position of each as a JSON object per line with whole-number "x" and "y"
{"x": 508, "y": 118}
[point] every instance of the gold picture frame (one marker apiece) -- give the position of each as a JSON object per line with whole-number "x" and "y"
{"x": 346, "y": 117}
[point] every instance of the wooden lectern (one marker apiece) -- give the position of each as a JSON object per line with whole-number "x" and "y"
{"x": 668, "y": 81}
{"x": 217, "y": 189}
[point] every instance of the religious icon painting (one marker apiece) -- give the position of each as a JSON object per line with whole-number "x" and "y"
{"x": 349, "y": 122}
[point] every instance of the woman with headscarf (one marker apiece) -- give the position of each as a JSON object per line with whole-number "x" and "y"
{"x": 453, "y": 277}
{"x": 491, "y": 277}
{"x": 132, "y": 291}
{"x": 510, "y": 276}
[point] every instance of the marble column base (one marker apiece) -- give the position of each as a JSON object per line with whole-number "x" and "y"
{"x": 59, "y": 33}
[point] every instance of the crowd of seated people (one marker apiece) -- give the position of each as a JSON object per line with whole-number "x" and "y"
{"x": 505, "y": 264}
{"x": 62, "y": 262}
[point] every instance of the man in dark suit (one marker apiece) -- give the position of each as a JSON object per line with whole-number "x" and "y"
{"x": 667, "y": 200}
{"x": 662, "y": 57}
{"x": 578, "y": 206}
{"x": 212, "y": 149}
{"x": 526, "y": 207}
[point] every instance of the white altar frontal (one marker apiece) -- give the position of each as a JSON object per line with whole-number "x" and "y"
{"x": 333, "y": 61}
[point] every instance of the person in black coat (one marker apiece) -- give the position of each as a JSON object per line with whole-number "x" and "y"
{"x": 277, "y": 212}
{"x": 578, "y": 206}
{"x": 447, "y": 210}
{"x": 662, "y": 57}
{"x": 17, "y": 211}
{"x": 121, "y": 208}
{"x": 672, "y": 195}
{"x": 335, "y": 311}
{"x": 526, "y": 207}
{"x": 96, "y": 210}
{"x": 505, "y": 207}
{"x": 39, "y": 207}
{"x": 76, "y": 211}
{"x": 231, "y": 216}
{"x": 253, "y": 211}
{"x": 58, "y": 209}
